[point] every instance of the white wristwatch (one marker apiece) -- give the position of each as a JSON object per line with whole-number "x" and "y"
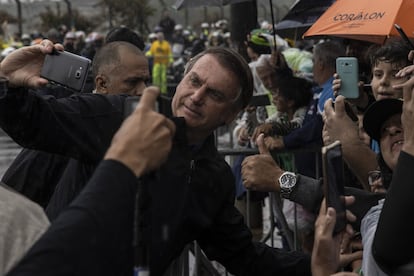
{"x": 287, "y": 182}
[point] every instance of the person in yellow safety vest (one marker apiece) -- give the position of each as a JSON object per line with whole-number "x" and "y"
{"x": 161, "y": 53}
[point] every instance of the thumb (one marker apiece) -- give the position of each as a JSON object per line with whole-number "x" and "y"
{"x": 149, "y": 97}
{"x": 261, "y": 145}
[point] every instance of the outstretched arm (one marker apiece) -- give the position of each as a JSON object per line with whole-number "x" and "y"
{"x": 394, "y": 240}
{"x": 22, "y": 67}
{"x": 338, "y": 126}
{"x": 93, "y": 236}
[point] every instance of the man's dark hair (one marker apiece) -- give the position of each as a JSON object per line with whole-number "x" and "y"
{"x": 108, "y": 55}
{"x": 328, "y": 51}
{"x": 295, "y": 89}
{"x": 234, "y": 62}
{"x": 125, "y": 34}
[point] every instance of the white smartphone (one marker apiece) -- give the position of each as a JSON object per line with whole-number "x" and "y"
{"x": 347, "y": 69}
{"x": 333, "y": 182}
{"x": 66, "y": 69}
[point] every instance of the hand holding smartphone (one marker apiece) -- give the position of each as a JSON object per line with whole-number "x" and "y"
{"x": 349, "y": 111}
{"x": 66, "y": 69}
{"x": 333, "y": 182}
{"x": 162, "y": 105}
{"x": 347, "y": 69}
{"x": 260, "y": 100}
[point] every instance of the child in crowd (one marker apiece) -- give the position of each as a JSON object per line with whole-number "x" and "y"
{"x": 386, "y": 60}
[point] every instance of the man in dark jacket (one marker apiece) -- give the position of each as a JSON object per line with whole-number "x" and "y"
{"x": 191, "y": 197}
{"x": 35, "y": 174}
{"x": 85, "y": 239}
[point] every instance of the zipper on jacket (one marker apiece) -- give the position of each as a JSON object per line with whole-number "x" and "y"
{"x": 192, "y": 165}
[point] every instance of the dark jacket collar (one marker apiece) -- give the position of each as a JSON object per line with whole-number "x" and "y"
{"x": 205, "y": 149}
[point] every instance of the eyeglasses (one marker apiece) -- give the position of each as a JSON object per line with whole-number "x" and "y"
{"x": 215, "y": 95}
{"x": 373, "y": 176}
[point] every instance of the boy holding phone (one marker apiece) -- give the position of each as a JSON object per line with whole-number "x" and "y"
{"x": 386, "y": 61}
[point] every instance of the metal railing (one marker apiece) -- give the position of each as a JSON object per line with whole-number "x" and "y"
{"x": 275, "y": 201}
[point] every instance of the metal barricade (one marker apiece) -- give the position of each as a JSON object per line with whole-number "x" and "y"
{"x": 275, "y": 202}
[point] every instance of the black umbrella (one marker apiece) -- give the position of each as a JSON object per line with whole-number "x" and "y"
{"x": 301, "y": 16}
{"x": 179, "y": 4}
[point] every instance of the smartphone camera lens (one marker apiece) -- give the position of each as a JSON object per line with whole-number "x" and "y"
{"x": 78, "y": 74}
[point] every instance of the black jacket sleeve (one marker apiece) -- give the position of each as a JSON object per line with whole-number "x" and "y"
{"x": 90, "y": 236}
{"x": 309, "y": 193}
{"x": 35, "y": 174}
{"x": 310, "y": 133}
{"x": 394, "y": 240}
{"x": 229, "y": 242}
{"x": 80, "y": 126}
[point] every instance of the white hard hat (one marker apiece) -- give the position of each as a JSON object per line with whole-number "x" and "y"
{"x": 7, "y": 51}
{"x": 26, "y": 36}
{"x": 80, "y": 34}
{"x": 70, "y": 35}
{"x": 265, "y": 25}
{"x": 178, "y": 27}
{"x": 216, "y": 34}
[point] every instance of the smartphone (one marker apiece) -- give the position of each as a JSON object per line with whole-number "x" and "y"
{"x": 404, "y": 36}
{"x": 130, "y": 104}
{"x": 162, "y": 105}
{"x": 66, "y": 69}
{"x": 260, "y": 100}
{"x": 347, "y": 69}
{"x": 333, "y": 182}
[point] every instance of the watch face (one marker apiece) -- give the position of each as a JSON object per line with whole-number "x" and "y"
{"x": 288, "y": 180}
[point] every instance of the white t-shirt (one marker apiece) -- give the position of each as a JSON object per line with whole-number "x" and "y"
{"x": 368, "y": 227}
{"x": 22, "y": 222}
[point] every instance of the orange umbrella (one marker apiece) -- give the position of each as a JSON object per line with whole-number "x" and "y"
{"x": 368, "y": 20}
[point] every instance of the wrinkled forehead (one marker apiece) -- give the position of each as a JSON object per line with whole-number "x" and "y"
{"x": 210, "y": 67}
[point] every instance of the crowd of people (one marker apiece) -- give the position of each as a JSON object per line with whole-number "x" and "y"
{"x": 96, "y": 191}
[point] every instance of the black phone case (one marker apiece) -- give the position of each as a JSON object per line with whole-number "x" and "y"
{"x": 259, "y": 100}
{"x": 333, "y": 178}
{"x": 66, "y": 69}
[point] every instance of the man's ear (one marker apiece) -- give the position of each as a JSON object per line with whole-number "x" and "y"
{"x": 101, "y": 83}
